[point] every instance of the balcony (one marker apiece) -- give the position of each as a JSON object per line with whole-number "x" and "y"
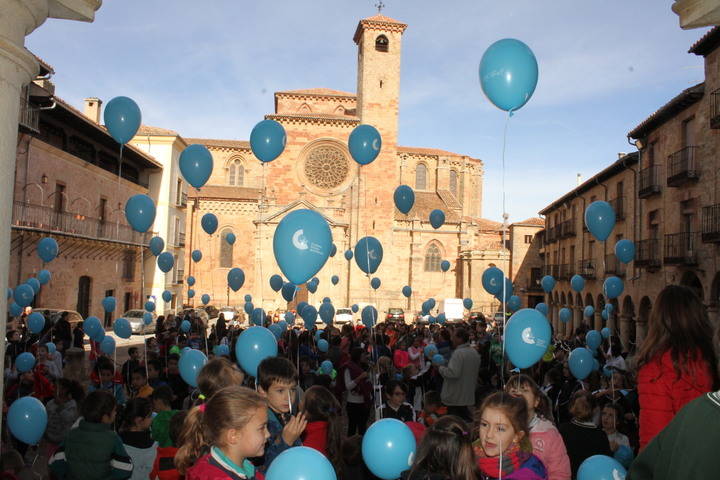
{"x": 613, "y": 266}
{"x": 711, "y": 224}
{"x": 564, "y": 272}
{"x": 681, "y": 248}
{"x": 551, "y": 270}
{"x": 180, "y": 239}
{"x": 715, "y": 109}
{"x": 182, "y": 201}
{"x": 567, "y": 228}
{"x": 179, "y": 276}
{"x": 682, "y": 167}
{"x": 586, "y": 268}
{"x": 648, "y": 254}
{"x": 29, "y": 116}
{"x": 649, "y": 183}
{"x": 551, "y": 236}
{"x": 45, "y": 219}
{"x": 618, "y": 205}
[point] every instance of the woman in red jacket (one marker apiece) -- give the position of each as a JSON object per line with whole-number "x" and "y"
{"x": 324, "y": 430}
{"x": 677, "y": 361}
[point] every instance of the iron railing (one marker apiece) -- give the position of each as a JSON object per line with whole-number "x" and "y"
{"x": 180, "y": 239}
{"x": 715, "y": 109}
{"x": 586, "y": 268}
{"x": 682, "y": 166}
{"x": 29, "y": 116}
{"x": 567, "y": 228}
{"x": 179, "y": 276}
{"x": 711, "y": 224}
{"x": 647, "y": 253}
{"x": 564, "y": 272}
{"x": 681, "y": 248}
{"x": 649, "y": 183}
{"x": 613, "y": 266}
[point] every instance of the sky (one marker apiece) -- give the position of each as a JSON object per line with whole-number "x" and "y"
{"x": 210, "y": 68}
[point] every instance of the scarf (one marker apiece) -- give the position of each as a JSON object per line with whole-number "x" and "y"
{"x": 512, "y": 459}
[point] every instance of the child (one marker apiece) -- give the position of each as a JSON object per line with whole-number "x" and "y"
{"x": 232, "y": 426}
{"x": 164, "y": 466}
{"x": 547, "y": 443}
{"x": 161, "y": 401}
{"x": 395, "y": 404}
{"x": 75, "y": 366}
{"x": 153, "y": 373}
{"x": 92, "y": 450}
{"x": 612, "y": 415}
{"x": 433, "y": 408}
{"x": 106, "y": 372}
{"x": 130, "y": 365}
{"x": 503, "y": 447}
{"x": 52, "y": 372}
{"x": 217, "y": 374}
{"x": 277, "y": 380}
{"x": 324, "y": 430}
{"x": 139, "y": 386}
{"x": 178, "y": 385}
{"x": 62, "y": 411}
{"x": 353, "y": 467}
{"x": 445, "y": 452}
{"x": 135, "y": 434}
{"x": 582, "y": 437}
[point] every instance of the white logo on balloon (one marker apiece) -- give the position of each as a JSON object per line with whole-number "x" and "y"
{"x": 299, "y": 241}
{"x": 372, "y": 255}
{"x": 617, "y": 475}
{"x": 527, "y": 336}
{"x": 375, "y": 145}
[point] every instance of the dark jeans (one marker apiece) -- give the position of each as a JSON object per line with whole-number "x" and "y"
{"x": 462, "y": 412}
{"x": 357, "y": 418}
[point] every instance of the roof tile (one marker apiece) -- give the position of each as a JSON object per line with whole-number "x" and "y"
{"x": 319, "y": 92}
{"x": 214, "y": 142}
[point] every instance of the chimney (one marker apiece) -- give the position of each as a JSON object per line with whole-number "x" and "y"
{"x": 92, "y": 109}
{"x": 621, "y": 155}
{"x": 579, "y": 179}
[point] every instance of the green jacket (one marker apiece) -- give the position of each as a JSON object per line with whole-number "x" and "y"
{"x": 687, "y": 448}
{"x": 92, "y": 451}
{"x": 160, "y": 428}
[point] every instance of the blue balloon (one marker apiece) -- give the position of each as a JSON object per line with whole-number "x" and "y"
{"x": 185, "y": 326}
{"x": 355, "y": 307}
{"x": 289, "y": 318}
{"x": 593, "y": 339}
{"x": 327, "y": 313}
{"x": 431, "y": 302}
{"x": 140, "y": 212}
{"x": 577, "y": 283}
{"x": 430, "y": 351}
{"x": 47, "y": 249}
{"x": 547, "y": 283}
{"x": 600, "y": 219}
{"x": 369, "y": 316}
{"x": 253, "y": 346}
{"x": 625, "y": 250}
{"x": 492, "y": 279}
{"x": 167, "y": 296}
{"x": 122, "y": 119}
{"x": 196, "y": 255}
{"x": 230, "y": 238}
{"x": 589, "y": 311}
{"x": 506, "y": 292}
{"x": 407, "y": 291}
{"x": 565, "y": 315}
{"x": 147, "y": 318}
{"x": 542, "y": 308}
{"x": 248, "y": 298}
{"x": 43, "y": 277}
{"x": 267, "y": 140}
{"x": 613, "y": 287}
{"x": 596, "y": 365}
{"x": 122, "y": 328}
{"x": 35, "y": 322}
{"x": 311, "y": 286}
{"x": 10, "y": 292}
{"x": 604, "y": 315}
{"x": 323, "y": 347}
{"x": 27, "y": 420}
{"x": 24, "y": 362}
{"x": 326, "y": 366}
{"x": 190, "y": 281}
{"x": 15, "y": 310}
{"x": 288, "y": 291}
{"x": 34, "y": 284}
{"x": 190, "y": 364}
{"x": 388, "y": 448}
{"x": 205, "y": 298}
{"x": 109, "y": 304}
{"x": 601, "y": 467}
{"x": 425, "y": 307}
{"x": 236, "y": 279}
{"x": 209, "y": 223}
{"x": 335, "y": 279}
{"x": 301, "y": 463}
{"x": 624, "y": 455}
{"x": 375, "y": 283}
{"x": 368, "y": 254}
{"x": 580, "y": 362}
{"x": 24, "y": 295}
{"x": 609, "y": 307}
{"x": 437, "y": 218}
{"x": 508, "y": 74}
{"x": 157, "y": 245}
{"x": 300, "y": 307}
{"x": 309, "y": 314}
{"x": 444, "y": 265}
{"x": 222, "y": 350}
{"x": 441, "y": 318}
{"x": 276, "y": 330}
{"x": 91, "y": 326}
{"x": 302, "y": 244}
{"x": 364, "y": 144}
{"x": 404, "y": 198}
{"x": 149, "y": 306}
{"x": 514, "y": 303}
{"x": 606, "y": 332}
{"x": 257, "y": 317}
{"x": 191, "y": 293}
{"x": 276, "y": 283}
{"x": 51, "y": 347}
{"x": 348, "y": 254}
{"x": 196, "y": 165}
{"x": 438, "y": 359}
{"x": 165, "y": 262}
{"x": 333, "y": 250}
{"x": 527, "y": 337}
{"x": 107, "y": 346}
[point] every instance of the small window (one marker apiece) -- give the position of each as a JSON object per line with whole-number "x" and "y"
{"x": 528, "y": 238}
{"x": 432, "y": 259}
{"x": 236, "y": 174}
{"x": 381, "y": 43}
{"x": 420, "y": 177}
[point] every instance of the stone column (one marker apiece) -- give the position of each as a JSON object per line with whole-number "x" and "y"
{"x": 626, "y": 322}
{"x": 18, "y": 67}
{"x": 597, "y": 321}
{"x": 640, "y": 333}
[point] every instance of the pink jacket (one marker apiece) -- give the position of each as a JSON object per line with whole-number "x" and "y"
{"x": 549, "y": 447}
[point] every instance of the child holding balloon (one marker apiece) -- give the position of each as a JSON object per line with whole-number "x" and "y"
{"x": 324, "y": 430}
{"x": 220, "y": 436}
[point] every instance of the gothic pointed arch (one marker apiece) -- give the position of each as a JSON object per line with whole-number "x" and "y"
{"x": 304, "y": 108}
{"x": 421, "y": 177}
{"x": 235, "y": 171}
{"x": 433, "y": 257}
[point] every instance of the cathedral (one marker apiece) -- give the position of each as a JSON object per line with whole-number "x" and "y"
{"x": 317, "y": 172}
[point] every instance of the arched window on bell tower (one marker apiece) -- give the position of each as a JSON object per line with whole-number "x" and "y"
{"x": 381, "y": 43}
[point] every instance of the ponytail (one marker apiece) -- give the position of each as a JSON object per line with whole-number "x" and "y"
{"x": 192, "y": 440}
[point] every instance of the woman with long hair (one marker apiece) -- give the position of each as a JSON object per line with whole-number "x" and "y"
{"x": 677, "y": 361}
{"x": 324, "y": 430}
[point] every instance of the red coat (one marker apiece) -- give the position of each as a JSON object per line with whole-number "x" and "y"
{"x": 662, "y": 393}
{"x": 315, "y": 436}
{"x": 206, "y": 469}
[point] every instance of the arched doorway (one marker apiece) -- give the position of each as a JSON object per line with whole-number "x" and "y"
{"x": 689, "y": 279}
{"x": 83, "y": 296}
